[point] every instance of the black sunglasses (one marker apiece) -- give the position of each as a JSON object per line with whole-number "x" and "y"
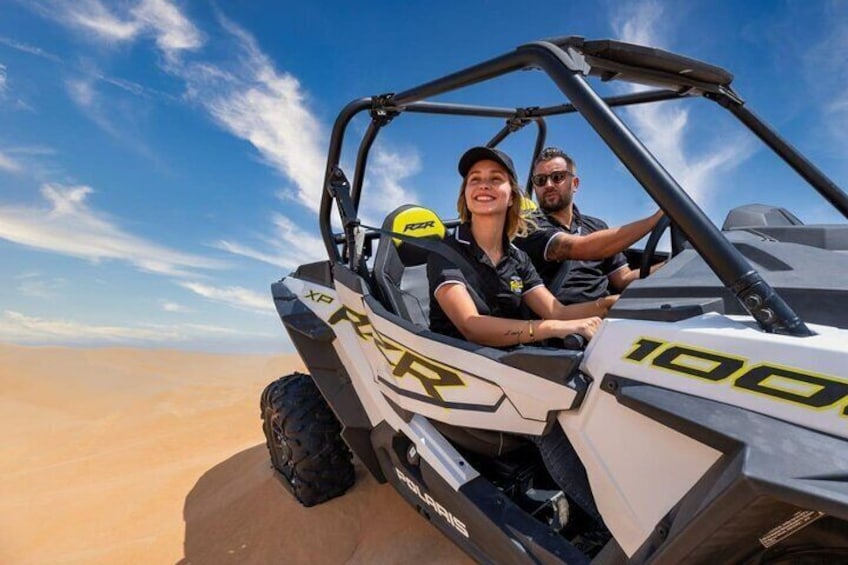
{"x": 557, "y": 177}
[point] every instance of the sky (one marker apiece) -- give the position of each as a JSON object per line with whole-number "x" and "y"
{"x": 161, "y": 160}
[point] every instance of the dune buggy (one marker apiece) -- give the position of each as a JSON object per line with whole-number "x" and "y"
{"x": 710, "y": 411}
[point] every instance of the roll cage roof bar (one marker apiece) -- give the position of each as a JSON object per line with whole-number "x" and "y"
{"x": 566, "y": 61}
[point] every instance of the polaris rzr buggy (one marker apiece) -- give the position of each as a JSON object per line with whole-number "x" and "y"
{"x": 710, "y": 410}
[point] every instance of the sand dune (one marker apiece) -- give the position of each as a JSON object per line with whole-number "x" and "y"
{"x": 131, "y": 456}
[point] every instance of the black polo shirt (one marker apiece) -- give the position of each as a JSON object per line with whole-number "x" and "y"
{"x": 501, "y": 286}
{"x": 587, "y": 280}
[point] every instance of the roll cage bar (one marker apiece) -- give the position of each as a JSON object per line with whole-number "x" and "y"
{"x": 566, "y": 61}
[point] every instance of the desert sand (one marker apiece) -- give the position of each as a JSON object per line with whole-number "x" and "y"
{"x": 151, "y": 456}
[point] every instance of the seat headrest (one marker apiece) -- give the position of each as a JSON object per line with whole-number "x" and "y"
{"x": 527, "y": 206}
{"x": 413, "y": 221}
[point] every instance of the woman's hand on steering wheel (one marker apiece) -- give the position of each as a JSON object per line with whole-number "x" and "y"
{"x": 579, "y": 336}
{"x": 587, "y": 327}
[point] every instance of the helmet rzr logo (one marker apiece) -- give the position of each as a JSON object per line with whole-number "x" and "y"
{"x": 419, "y": 226}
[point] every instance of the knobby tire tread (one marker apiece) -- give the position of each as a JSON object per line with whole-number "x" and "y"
{"x": 303, "y": 438}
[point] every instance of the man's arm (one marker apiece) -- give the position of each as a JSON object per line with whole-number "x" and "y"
{"x": 620, "y": 278}
{"x": 602, "y": 243}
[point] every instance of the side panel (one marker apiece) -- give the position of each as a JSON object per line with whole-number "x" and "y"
{"x": 325, "y": 302}
{"x": 639, "y": 467}
{"x": 777, "y": 487}
{"x": 799, "y": 380}
{"x": 460, "y": 387}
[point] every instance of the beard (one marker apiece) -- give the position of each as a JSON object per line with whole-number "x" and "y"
{"x": 554, "y": 202}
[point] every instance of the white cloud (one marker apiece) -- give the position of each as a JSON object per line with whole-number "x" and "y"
{"x": 86, "y": 97}
{"x": 81, "y": 92}
{"x": 636, "y": 22}
{"x": 132, "y": 87}
{"x": 384, "y": 190}
{"x": 235, "y": 296}
{"x": 827, "y": 73}
{"x": 171, "y": 30}
{"x": 20, "y": 328}
{"x": 85, "y": 87}
{"x": 32, "y": 160}
{"x": 247, "y": 96}
{"x": 68, "y": 226}
{"x": 10, "y": 102}
{"x": 663, "y": 127}
{"x": 250, "y": 99}
{"x": 97, "y": 20}
{"x": 287, "y": 247}
{"x": 116, "y": 117}
{"x": 9, "y": 164}
{"x": 253, "y": 101}
{"x": 16, "y": 327}
{"x": 31, "y": 49}
{"x": 174, "y": 307}
{"x": 35, "y": 285}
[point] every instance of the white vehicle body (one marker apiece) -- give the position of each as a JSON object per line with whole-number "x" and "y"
{"x": 710, "y": 411}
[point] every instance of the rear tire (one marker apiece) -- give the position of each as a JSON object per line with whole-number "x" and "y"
{"x": 303, "y": 438}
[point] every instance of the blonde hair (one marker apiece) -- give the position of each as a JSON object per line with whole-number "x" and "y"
{"x": 516, "y": 223}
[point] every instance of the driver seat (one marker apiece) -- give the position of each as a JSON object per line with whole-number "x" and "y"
{"x": 400, "y": 268}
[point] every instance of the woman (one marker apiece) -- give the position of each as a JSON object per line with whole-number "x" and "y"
{"x": 489, "y": 207}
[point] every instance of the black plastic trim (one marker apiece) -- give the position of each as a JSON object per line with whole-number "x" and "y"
{"x": 344, "y": 275}
{"x": 297, "y": 317}
{"x": 319, "y": 273}
{"x": 819, "y": 306}
{"x": 404, "y": 414}
{"x": 444, "y": 404}
{"x": 665, "y": 309}
{"x": 498, "y": 530}
{"x": 359, "y": 441}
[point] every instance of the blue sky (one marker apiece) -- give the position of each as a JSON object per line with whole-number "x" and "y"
{"x": 161, "y": 161}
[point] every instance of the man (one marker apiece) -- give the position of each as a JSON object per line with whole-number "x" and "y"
{"x": 598, "y": 267}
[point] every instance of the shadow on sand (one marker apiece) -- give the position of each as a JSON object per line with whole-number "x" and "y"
{"x": 239, "y": 513}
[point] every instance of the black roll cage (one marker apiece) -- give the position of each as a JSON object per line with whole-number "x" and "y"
{"x": 566, "y": 61}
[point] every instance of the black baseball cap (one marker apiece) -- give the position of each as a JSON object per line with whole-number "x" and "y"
{"x": 485, "y": 153}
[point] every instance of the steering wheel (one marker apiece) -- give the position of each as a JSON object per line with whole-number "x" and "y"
{"x": 677, "y": 242}
{"x": 575, "y": 342}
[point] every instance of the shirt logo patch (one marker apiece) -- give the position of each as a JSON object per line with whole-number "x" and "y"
{"x": 516, "y": 285}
